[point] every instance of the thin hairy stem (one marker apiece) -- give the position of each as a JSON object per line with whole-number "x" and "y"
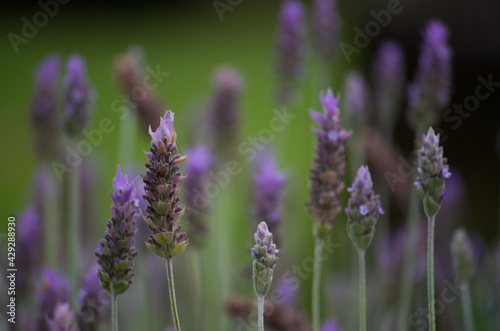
{"x": 318, "y": 252}
{"x": 171, "y": 288}
{"x": 362, "y": 290}
{"x": 430, "y": 273}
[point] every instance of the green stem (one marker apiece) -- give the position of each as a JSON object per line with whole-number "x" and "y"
{"x": 73, "y": 231}
{"x": 260, "y": 314}
{"x": 430, "y": 273}
{"x": 171, "y": 288}
{"x": 409, "y": 261}
{"x": 318, "y": 252}
{"x": 114, "y": 311}
{"x": 467, "y": 307}
{"x": 362, "y": 290}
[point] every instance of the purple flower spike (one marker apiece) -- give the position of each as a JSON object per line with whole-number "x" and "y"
{"x": 389, "y": 82}
{"x": 330, "y": 325}
{"x": 430, "y": 91}
{"x": 198, "y": 167}
{"x": 160, "y": 185}
{"x": 326, "y": 26}
{"x": 463, "y": 255}
{"x": 44, "y": 117}
{"x": 29, "y": 243}
{"x": 290, "y": 49}
{"x": 329, "y": 164}
{"x": 224, "y": 111}
{"x": 363, "y": 210}
{"x": 78, "y": 97}
{"x": 268, "y": 192}
{"x": 52, "y": 289}
{"x": 432, "y": 171}
{"x": 358, "y": 100}
{"x": 116, "y": 251}
{"x": 93, "y": 302}
{"x": 264, "y": 260}
{"x": 62, "y": 320}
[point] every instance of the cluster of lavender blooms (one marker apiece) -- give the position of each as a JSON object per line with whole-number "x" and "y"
{"x": 264, "y": 260}
{"x": 429, "y": 93}
{"x": 290, "y": 49}
{"x": 78, "y": 97}
{"x": 432, "y": 172}
{"x": 52, "y": 289}
{"x": 268, "y": 193}
{"x": 200, "y": 162}
{"x": 358, "y": 100}
{"x": 116, "y": 251}
{"x": 62, "y": 320}
{"x": 328, "y": 166}
{"x": 93, "y": 301}
{"x": 160, "y": 180}
{"x": 363, "y": 209}
{"x": 224, "y": 112}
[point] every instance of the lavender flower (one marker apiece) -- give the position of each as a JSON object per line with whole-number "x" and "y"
{"x": 290, "y": 49}
{"x": 62, "y": 320}
{"x": 286, "y": 291}
{"x": 325, "y": 26}
{"x": 128, "y": 68}
{"x": 268, "y": 192}
{"x": 463, "y": 255}
{"x": 330, "y": 325}
{"x": 328, "y": 165}
{"x": 264, "y": 260}
{"x": 29, "y": 245}
{"x": 198, "y": 166}
{"x": 52, "y": 289}
{"x": 78, "y": 97}
{"x": 432, "y": 171}
{"x": 363, "y": 209}
{"x": 116, "y": 251}
{"x": 160, "y": 180}
{"x": 430, "y": 91}
{"x": 358, "y": 101}
{"x": 92, "y": 303}
{"x": 44, "y": 117}
{"x": 388, "y": 83}
{"x": 224, "y": 111}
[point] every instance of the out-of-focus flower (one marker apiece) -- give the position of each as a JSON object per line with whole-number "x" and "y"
{"x": 198, "y": 166}
{"x": 463, "y": 255}
{"x": 160, "y": 180}
{"x": 29, "y": 243}
{"x": 289, "y": 49}
{"x": 389, "y": 83}
{"x": 329, "y": 164}
{"x": 358, "y": 101}
{"x": 363, "y": 210}
{"x": 325, "y": 28}
{"x": 52, "y": 289}
{"x": 330, "y": 325}
{"x": 78, "y": 97}
{"x": 116, "y": 251}
{"x": 62, "y": 320}
{"x": 264, "y": 260}
{"x": 44, "y": 117}
{"x": 128, "y": 68}
{"x": 432, "y": 171}
{"x": 268, "y": 193}
{"x": 93, "y": 302}
{"x": 430, "y": 91}
{"x": 286, "y": 292}
{"x": 224, "y": 112}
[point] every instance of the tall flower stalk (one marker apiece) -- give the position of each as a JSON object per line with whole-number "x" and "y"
{"x": 264, "y": 262}
{"x": 432, "y": 171}
{"x": 464, "y": 265}
{"x": 76, "y": 115}
{"x": 326, "y": 184}
{"x": 163, "y": 212}
{"x": 116, "y": 252}
{"x": 363, "y": 210}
